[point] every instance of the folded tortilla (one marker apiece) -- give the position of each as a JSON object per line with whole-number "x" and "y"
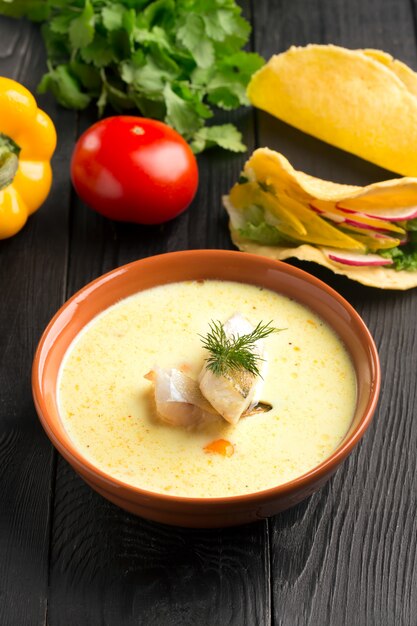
{"x": 293, "y": 189}
{"x": 362, "y": 101}
{"x": 380, "y": 277}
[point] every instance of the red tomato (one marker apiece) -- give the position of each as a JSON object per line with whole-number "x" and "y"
{"x": 134, "y": 169}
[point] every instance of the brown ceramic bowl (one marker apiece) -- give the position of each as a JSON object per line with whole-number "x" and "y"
{"x": 191, "y": 265}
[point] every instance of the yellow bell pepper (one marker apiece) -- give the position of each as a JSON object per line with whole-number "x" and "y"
{"x": 27, "y": 142}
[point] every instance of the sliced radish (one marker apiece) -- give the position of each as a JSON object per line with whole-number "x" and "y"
{"x": 359, "y": 220}
{"x": 393, "y": 214}
{"x": 382, "y": 237}
{"x": 339, "y": 219}
{"x": 316, "y": 209}
{"x": 372, "y": 228}
{"x": 369, "y": 227}
{"x": 345, "y": 209}
{"x": 358, "y": 260}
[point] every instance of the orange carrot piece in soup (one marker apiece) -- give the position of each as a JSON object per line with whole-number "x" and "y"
{"x": 220, "y": 446}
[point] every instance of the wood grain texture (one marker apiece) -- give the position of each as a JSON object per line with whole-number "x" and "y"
{"x": 110, "y": 567}
{"x": 348, "y": 555}
{"x": 32, "y": 279}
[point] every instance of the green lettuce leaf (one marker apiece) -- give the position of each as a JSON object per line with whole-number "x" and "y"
{"x": 404, "y": 257}
{"x": 263, "y": 233}
{"x": 411, "y": 225}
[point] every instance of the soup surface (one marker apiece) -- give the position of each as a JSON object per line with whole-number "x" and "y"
{"x": 107, "y": 406}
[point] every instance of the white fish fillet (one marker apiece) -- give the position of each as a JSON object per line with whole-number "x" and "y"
{"x": 232, "y": 395}
{"x": 179, "y": 401}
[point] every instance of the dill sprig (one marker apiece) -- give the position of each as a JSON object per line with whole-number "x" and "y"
{"x": 228, "y": 354}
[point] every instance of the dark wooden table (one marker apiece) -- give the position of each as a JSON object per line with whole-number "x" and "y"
{"x": 347, "y": 555}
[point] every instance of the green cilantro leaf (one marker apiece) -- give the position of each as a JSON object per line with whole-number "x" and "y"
{"x": 88, "y": 75}
{"x": 65, "y": 88}
{"x": 173, "y": 60}
{"x": 160, "y": 12}
{"x": 227, "y": 96}
{"x": 112, "y": 16}
{"x": 224, "y": 23}
{"x": 241, "y": 66}
{"x": 225, "y": 136}
{"x": 98, "y": 52}
{"x": 192, "y": 35}
{"x": 57, "y": 46}
{"x": 155, "y": 35}
{"x": 60, "y": 23}
{"x": 181, "y": 114}
{"x": 234, "y": 25}
{"x": 150, "y": 78}
{"x": 227, "y": 86}
{"x": 81, "y": 30}
{"x": 35, "y": 10}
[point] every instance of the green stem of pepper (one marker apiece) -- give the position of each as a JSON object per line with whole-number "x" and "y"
{"x": 9, "y": 160}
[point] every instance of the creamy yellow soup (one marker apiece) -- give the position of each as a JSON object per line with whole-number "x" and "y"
{"x": 107, "y": 406}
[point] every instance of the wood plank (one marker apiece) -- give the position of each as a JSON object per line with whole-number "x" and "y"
{"x": 108, "y": 566}
{"x": 348, "y": 554}
{"x": 32, "y": 275}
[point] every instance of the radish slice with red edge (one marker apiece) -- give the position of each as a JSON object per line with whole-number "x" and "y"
{"x": 354, "y": 259}
{"x": 354, "y": 220}
{"x": 361, "y": 225}
{"x": 393, "y": 214}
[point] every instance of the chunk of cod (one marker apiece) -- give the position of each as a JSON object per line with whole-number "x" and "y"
{"x": 178, "y": 399}
{"x": 232, "y": 394}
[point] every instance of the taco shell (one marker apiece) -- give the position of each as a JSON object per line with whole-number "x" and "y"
{"x": 370, "y": 276}
{"x": 362, "y": 101}
{"x": 283, "y": 190}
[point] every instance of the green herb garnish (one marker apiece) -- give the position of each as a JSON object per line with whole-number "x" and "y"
{"x": 263, "y": 233}
{"x": 171, "y": 60}
{"x": 403, "y": 257}
{"x": 230, "y": 354}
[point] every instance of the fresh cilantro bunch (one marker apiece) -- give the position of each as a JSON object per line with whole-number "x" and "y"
{"x": 171, "y": 59}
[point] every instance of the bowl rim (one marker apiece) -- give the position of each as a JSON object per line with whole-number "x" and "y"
{"x": 69, "y": 451}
